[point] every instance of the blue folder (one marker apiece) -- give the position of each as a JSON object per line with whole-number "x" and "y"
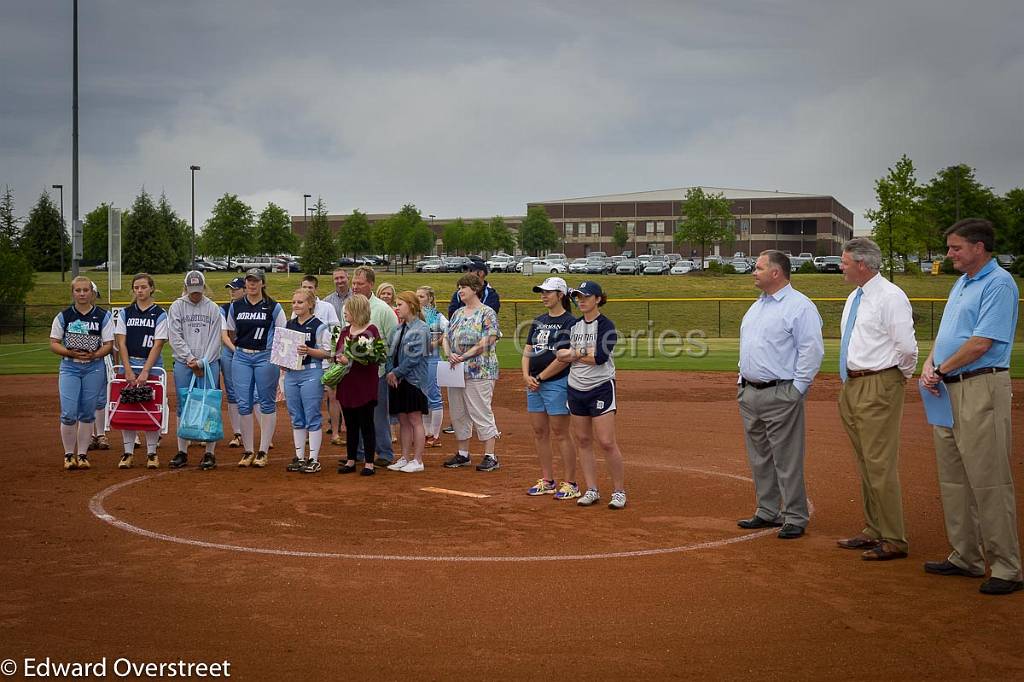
{"x": 937, "y": 408}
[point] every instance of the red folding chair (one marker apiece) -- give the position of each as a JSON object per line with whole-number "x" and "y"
{"x": 149, "y": 416}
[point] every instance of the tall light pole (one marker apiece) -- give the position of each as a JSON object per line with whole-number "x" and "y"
{"x": 74, "y": 146}
{"x": 305, "y": 214}
{"x": 432, "y": 216}
{"x": 63, "y": 230}
{"x": 193, "y": 169}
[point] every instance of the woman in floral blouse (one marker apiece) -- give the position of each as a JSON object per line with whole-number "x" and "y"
{"x": 471, "y": 339}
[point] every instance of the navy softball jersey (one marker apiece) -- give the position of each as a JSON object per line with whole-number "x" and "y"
{"x": 141, "y": 328}
{"x": 254, "y": 323}
{"x": 96, "y": 322}
{"x": 314, "y": 330}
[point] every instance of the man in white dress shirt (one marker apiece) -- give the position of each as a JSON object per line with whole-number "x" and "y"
{"x": 323, "y": 311}
{"x": 877, "y": 354}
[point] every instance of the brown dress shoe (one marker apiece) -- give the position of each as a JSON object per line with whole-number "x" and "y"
{"x": 885, "y": 551}
{"x": 858, "y": 541}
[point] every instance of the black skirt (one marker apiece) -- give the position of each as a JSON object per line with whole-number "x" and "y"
{"x": 407, "y": 398}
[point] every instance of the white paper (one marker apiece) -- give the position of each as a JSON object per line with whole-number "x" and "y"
{"x": 285, "y": 351}
{"x": 452, "y": 377}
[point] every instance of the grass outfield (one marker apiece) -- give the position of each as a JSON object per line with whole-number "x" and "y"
{"x": 709, "y": 305}
{"x": 49, "y": 290}
{"x": 721, "y": 355}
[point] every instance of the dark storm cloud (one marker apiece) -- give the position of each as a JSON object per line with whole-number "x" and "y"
{"x": 475, "y": 108}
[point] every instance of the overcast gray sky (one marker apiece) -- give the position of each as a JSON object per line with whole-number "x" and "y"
{"x": 475, "y": 107}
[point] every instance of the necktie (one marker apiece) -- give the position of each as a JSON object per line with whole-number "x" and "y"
{"x": 844, "y": 345}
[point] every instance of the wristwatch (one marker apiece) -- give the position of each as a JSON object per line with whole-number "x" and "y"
{"x": 583, "y": 352}
{"x": 939, "y": 372}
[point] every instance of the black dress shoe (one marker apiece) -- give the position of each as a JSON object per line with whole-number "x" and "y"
{"x": 1000, "y": 586}
{"x": 790, "y": 531}
{"x": 757, "y": 522}
{"x": 947, "y": 567}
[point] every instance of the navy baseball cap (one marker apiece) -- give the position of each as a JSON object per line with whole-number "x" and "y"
{"x": 477, "y": 266}
{"x": 588, "y": 288}
{"x": 236, "y": 283}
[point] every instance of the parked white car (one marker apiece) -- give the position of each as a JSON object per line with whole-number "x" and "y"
{"x": 547, "y": 266}
{"x": 501, "y": 263}
{"x": 681, "y": 267}
{"x": 578, "y": 266}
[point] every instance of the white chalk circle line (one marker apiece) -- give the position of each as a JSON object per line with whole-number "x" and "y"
{"x": 98, "y": 510}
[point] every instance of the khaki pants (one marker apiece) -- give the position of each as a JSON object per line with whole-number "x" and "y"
{"x": 871, "y": 408}
{"x": 471, "y": 406}
{"x": 975, "y": 479}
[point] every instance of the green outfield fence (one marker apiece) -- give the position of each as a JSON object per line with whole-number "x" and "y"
{"x": 634, "y": 317}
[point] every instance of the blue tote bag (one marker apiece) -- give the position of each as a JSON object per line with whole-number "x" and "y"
{"x": 201, "y": 419}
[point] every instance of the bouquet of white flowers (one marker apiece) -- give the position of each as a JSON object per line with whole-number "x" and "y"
{"x": 361, "y": 349}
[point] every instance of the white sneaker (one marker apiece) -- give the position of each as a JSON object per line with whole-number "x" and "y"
{"x": 618, "y": 500}
{"x": 412, "y": 467}
{"x": 398, "y": 464}
{"x": 590, "y": 497}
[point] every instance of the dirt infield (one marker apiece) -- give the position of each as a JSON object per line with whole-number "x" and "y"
{"x": 343, "y": 577}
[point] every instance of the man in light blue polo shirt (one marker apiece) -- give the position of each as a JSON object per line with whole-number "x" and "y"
{"x": 780, "y": 353}
{"x": 971, "y": 356}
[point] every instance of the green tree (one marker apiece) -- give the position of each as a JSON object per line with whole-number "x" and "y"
{"x": 955, "y": 193}
{"x": 18, "y": 276}
{"x": 319, "y": 251}
{"x": 94, "y": 235}
{"x": 478, "y": 237}
{"x": 537, "y": 235}
{"x": 42, "y": 238}
{"x": 9, "y": 230}
{"x": 706, "y": 219}
{"x": 422, "y": 240}
{"x": 404, "y": 226}
{"x": 17, "y": 281}
{"x": 229, "y": 230}
{"x": 620, "y": 237}
{"x": 1010, "y": 239}
{"x": 502, "y": 238}
{"x": 380, "y": 234}
{"x": 897, "y": 220}
{"x": 274, "y": 231}
{"x": 355, "y": 236}
{"x": 454, "y": 236}
{"x": 179, "y": 235}
{"x": 145, "y": 244}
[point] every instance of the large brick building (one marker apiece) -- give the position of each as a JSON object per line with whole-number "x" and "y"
{"x": 762, "y": 220}
{"x": 796, "y": 223}
{"x": 436, "y": 225}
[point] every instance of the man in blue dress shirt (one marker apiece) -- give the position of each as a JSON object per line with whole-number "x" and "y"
{"x": 780, "y": 352}
{"x": 971, "y": 356}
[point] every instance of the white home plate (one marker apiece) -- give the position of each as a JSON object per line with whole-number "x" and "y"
{"x": 460, "y": 493}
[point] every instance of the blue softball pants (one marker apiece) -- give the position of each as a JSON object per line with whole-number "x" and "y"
{"x": 255, "y": 376}
{"x": 226, "y": 358}
{"x": 433, "y": 390}
{"x": 82, "y": 387}
{"x": 303, "y": 393}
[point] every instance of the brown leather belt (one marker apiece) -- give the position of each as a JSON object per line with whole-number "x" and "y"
{"x": 758, "y": 385}
{"x": 956, "y": 378}
{"x": 857, "y": 373}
